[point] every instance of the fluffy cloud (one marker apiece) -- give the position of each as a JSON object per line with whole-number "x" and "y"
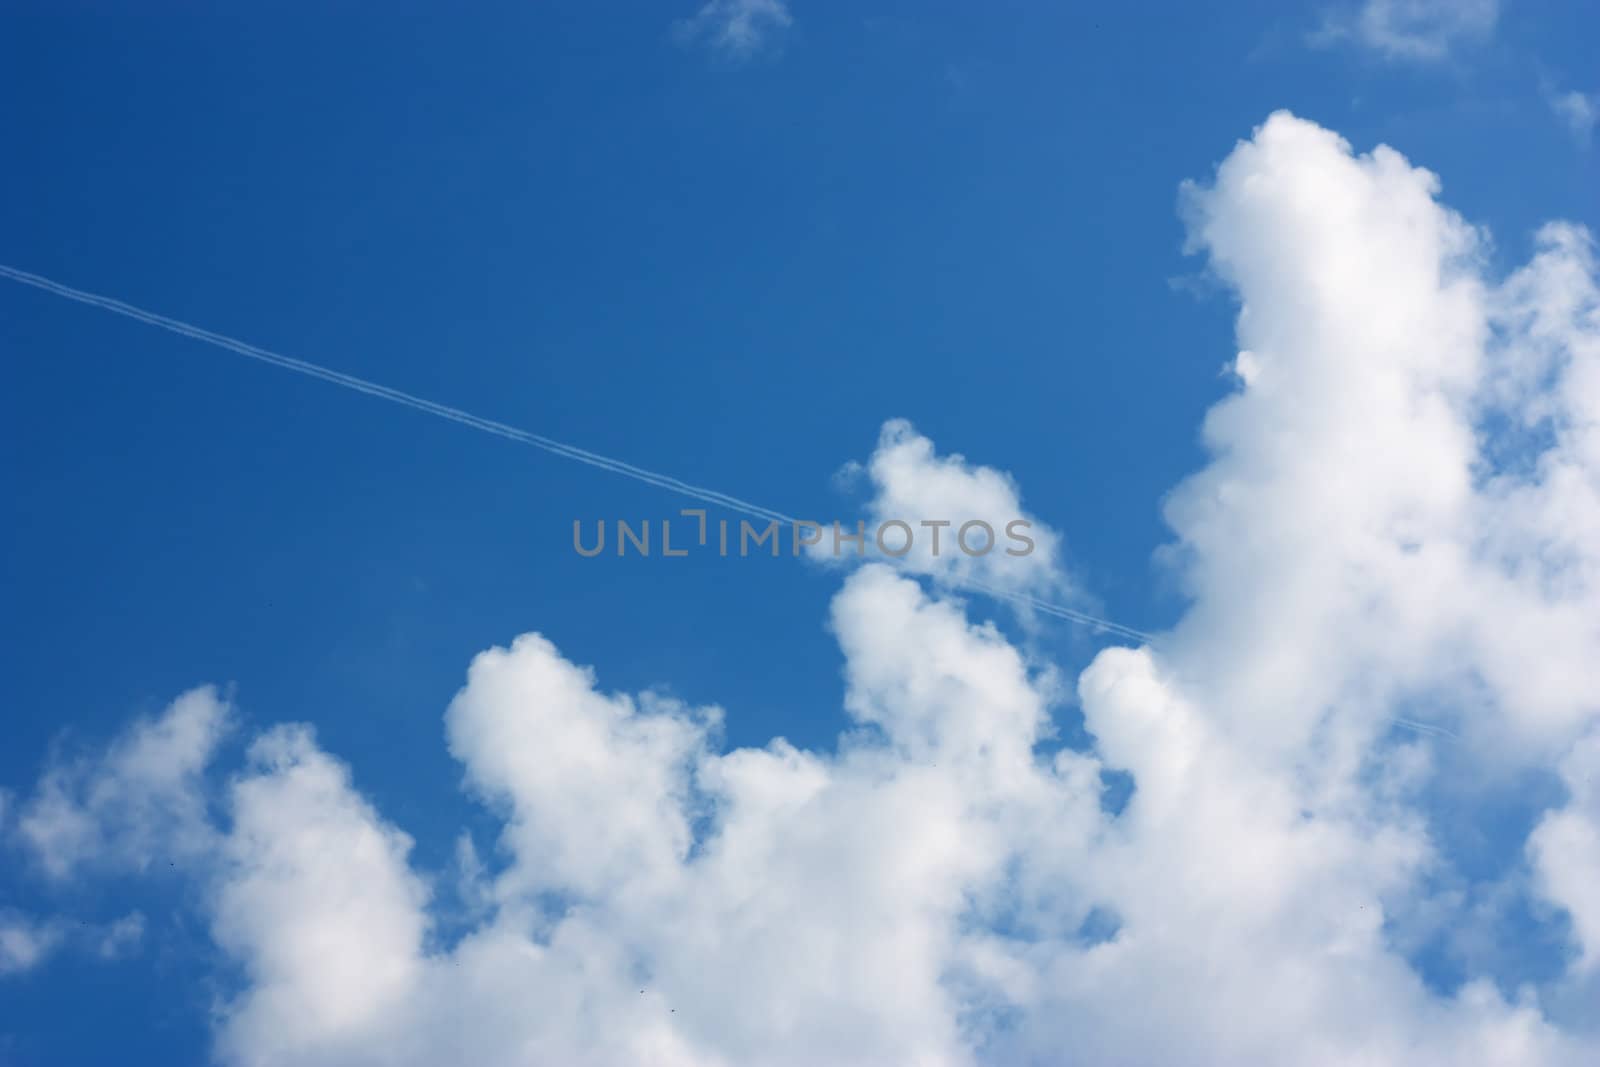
{"x": 1566, "y": 852}
{"x": 312, "y": 895}
{"x": 1399, "y": 519}
{"x": 138, "y": 803}
{"x": 1360, "y": 535}
{"x": 919, "y": 513}
{"x": 1415, "y": 29}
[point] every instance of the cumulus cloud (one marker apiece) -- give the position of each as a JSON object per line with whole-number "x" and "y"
{"x": 738, "y": 29}
{"x": 1360, "y": 534}
{"x": 1399, "y": 516}
{"x": 134, "y": 805}
{"x": 947, "y": 518}
{"x": 1566, "y": 851}
{"x": 313, "y": 897}
{"x": 813, "y": 915}
{"x": 1426, "y": 30}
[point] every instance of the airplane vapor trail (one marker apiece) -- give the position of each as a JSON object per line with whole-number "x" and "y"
{"x": 500, "y": 429}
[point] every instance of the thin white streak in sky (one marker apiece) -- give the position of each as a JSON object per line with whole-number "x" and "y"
{"x": 1426, "y": 728}
{"x": 500, "y": 429}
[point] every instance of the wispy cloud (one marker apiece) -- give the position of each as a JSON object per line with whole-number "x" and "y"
{"x": 28, "y": 941}
{"x": 738, "y": 29}
{"x": 25, "y": 942}
{"x": 1417, "y": 30}
{"x": 1580, "y": 111}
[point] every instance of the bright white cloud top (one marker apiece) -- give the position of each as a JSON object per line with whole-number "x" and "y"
{"x": 1400, "y": 518}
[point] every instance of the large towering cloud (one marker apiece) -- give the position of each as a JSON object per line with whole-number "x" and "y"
{"x": 1397, "y": 534}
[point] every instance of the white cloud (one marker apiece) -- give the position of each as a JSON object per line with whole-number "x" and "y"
{"x": 25, "y": 942}
{"x": 738, "y": 29}
{"x": 1352, "y": 541}
{"x": 121, "y": 937}
{"x": 816, "y": 920}
{"x": 1426, "y": 30}
{"x": 921, "y": 506}
{"x": 313, "y": 897}
{"x": 593, "y": 786}
{"x": 28, "y": 941}
{"x": 1566, "y": 851}
{"x": 137, "y": 804}
{"x": 1400, "y": 516}
{"x": 1580, "y": 112}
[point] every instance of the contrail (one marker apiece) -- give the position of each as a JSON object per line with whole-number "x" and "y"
{"x": 361, "y": 385}
{"x": 500, "y": 429}
{"x": 1426, "y": 728}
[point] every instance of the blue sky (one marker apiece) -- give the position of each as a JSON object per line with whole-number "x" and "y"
{"x": 585, "y": 220}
